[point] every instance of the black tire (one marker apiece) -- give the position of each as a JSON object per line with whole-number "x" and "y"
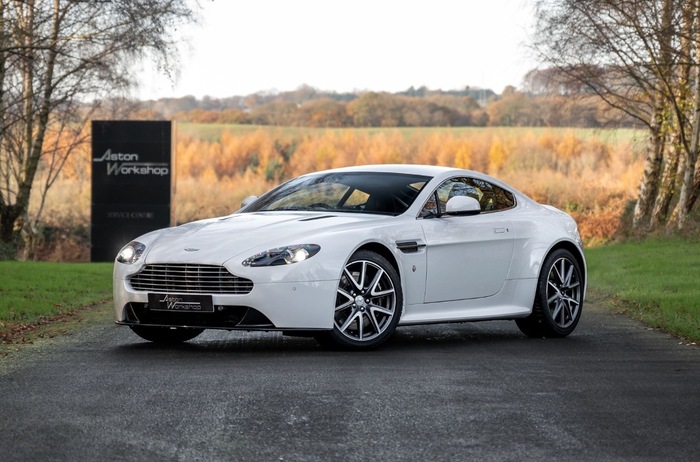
{"x": 369, "y": 303}
{"x": 166, "y": 334}
{"x": 559, "y": 299}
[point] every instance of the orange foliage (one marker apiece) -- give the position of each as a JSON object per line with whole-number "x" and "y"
{"x": 497, "y": 156}
{"x": 591, "y": 179}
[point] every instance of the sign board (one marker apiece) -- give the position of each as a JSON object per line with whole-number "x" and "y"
{"x": 132, "y": 182}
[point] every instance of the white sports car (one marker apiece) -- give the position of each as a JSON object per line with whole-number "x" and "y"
{"x": 347, "y": 255}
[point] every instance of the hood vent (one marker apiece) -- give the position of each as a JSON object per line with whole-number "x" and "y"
{"x": 317, "y": 218}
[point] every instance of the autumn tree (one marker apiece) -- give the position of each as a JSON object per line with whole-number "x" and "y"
{"x": 282, "y": 113}
{"x": 640, "y": 57}
{"x": 323, "y": 112}
{"x": 54, "y": 55}
{"x": 514, "y": 109}
{"x": 373, "y": 109}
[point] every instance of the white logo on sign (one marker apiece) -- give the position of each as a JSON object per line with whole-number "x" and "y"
{"x": 120, "y": 163}
{"x": 176, "y": 303}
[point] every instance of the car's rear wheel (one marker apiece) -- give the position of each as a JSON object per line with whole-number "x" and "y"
{"x": 368, "y": 303}
{"x": 166, "y": 334}
{"x": 559, "y": 299}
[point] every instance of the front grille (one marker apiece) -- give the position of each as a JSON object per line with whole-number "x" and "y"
{"x": 190, "y": 279}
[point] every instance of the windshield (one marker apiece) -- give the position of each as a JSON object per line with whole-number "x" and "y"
{"x": 361, "y": 192}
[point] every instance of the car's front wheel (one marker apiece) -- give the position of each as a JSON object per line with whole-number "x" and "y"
{"x": 166, "y": 334}
{"x": 559, "y": 299}
{"x": 368, "y": 303}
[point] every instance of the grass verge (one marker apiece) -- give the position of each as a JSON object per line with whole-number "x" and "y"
{"x": 654, "y": 281}
{"x": 38, "y": 293}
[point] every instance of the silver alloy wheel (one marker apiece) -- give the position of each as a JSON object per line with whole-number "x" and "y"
{"x": 365, "y": 302}
{"x": 564, "y": 292}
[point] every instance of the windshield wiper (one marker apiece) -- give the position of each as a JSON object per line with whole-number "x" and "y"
{"x": 294, "y": 208}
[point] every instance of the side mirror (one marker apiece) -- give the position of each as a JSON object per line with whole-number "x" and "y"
{"x": 462, "y": 205}
{"x": 248, "y": 200}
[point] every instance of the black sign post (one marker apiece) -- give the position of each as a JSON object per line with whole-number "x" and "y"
{"x": 132, "y": 181}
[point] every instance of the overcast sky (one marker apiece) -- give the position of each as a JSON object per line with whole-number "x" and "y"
{"x": 242, "y": 47}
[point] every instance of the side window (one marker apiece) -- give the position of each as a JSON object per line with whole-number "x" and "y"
{"x": 491, "y": 197}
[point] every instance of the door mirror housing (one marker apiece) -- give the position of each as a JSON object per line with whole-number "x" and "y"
{"x": 462, "y": 205}
{"x": 248, "y": 200}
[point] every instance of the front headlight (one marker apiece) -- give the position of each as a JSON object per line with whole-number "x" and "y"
{"x": 283, "y": 255}
{"x": 131, "y": 252}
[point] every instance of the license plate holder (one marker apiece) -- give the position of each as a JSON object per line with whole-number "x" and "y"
{"x": 181, "y": 303}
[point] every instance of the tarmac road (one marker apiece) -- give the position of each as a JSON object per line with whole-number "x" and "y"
{"x": 614, "y": 390}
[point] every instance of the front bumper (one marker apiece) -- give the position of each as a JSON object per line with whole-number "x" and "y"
{"x": 269, "y": 306}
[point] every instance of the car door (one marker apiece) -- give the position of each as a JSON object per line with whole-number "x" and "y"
{"x": 467, "y": 256}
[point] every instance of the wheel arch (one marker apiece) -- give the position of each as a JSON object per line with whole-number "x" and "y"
{"x": 576, "y": 252}
{"x": 542, "y": 322}
{"x": 384, "y": 251}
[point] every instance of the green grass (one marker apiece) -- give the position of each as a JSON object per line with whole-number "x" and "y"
{"x": 32, "y": 291}
{"x": 212, "y": 132}
{"x": 655, "y": 281}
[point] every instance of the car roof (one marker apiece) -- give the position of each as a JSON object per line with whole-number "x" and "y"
{"x": 413, "y": 169}
{"x": 434, "y": 171}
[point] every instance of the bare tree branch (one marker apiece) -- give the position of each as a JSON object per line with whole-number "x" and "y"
{"x": 54, "y": 56}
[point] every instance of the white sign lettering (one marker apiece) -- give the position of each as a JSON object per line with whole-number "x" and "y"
{"x": 119, "y": 163}
{"x": 176, "y": 303}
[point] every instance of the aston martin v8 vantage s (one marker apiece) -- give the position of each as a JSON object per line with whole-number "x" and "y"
{"x": 347, "y": 255}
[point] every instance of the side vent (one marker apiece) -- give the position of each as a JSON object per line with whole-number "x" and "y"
{"x": 409, "y": 246}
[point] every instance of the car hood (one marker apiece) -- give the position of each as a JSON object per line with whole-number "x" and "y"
{"x": 217, "y": 240}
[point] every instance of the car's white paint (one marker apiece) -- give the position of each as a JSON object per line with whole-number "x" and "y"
{"x": 479, "y": 249}
{"x": 470, "y": 268}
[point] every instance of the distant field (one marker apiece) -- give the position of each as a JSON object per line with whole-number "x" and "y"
{"x": 213, "y": 132}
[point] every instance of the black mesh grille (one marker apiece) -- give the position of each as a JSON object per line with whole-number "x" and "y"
{"x": 190, "y": 279}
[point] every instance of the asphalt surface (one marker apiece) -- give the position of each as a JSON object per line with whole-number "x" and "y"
{"x": 613, "y": 390}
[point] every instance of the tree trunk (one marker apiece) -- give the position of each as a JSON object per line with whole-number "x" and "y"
{"x": 649, "y": 185}
{"x": 695, "y": 167}
{"x": 669, "y": 180}
{"x": 35, "y": 133}
{"x": 8, "y": 216}
{"x": 683, "y": 206}
{"x": 696, "y": 187}
{"x": 680, "y": 213}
